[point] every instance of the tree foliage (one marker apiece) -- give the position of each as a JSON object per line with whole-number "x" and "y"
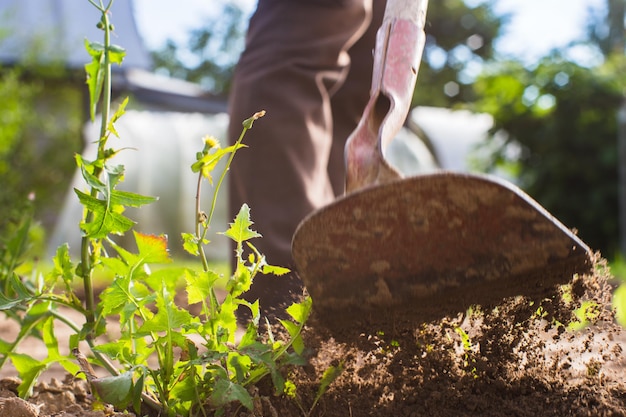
{"x": 211, "y": 52}
{"x": 458, "y": 37}
{"x": 38, "y": 116}
{"x": 563, "y": 117}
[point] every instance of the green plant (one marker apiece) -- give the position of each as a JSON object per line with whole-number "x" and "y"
{"x": 202, "y": 367}
{"x": 469, "y": 362}
{"x": 328, "y": 377}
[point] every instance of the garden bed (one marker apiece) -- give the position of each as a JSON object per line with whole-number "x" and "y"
{"x": 517, "y": 359}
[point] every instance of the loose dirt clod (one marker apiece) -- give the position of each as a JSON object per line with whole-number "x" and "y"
{"x": 16, "y": 407}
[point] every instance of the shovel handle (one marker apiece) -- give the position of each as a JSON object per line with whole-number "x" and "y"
{"x": 413, "y": 10}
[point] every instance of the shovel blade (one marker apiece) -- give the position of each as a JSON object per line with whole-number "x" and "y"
{"x": 435, "y": 244}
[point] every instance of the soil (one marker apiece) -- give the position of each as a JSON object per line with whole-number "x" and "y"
{"x": 513, "y": 359}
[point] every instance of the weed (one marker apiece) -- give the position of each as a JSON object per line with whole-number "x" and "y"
{"x": 201, "y": 366}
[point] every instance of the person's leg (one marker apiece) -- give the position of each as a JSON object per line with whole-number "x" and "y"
{"x": 295, "y": 54}
{"x": 349, "y": 101}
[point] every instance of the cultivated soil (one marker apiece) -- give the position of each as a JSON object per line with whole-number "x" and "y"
{"x": 513, "y": 359}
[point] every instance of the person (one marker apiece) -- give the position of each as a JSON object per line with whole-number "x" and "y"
{"x": 308, "y": 64}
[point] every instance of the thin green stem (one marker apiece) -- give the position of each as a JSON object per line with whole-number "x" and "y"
{"x": 224, "y": 172}
{"x": 86, "y": 255}
{"x": 199, "y": 218}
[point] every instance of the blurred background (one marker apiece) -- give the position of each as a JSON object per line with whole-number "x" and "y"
{"x": 531, "y": 90}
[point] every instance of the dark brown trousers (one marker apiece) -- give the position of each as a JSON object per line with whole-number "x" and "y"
{"x": 308, "y": 63}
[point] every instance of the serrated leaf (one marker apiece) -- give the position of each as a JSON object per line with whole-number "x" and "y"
{"x": 116, "y": 296}
{"x": 112, "y": 349}
{"x": 166, "y": 277}
{"x": 207, "y": 163}
{"x": 241, "y": 364}
{"x": 129, "y": 199}
{"x": 105, "y": 220}
{"x": 227, "y": 317}
{"x": 116, "y": 54}
{"x": 168, "y": 316}
{"x": 23, "y": 295}
{"x": 239, "y": 230}
{"x": 29, "y": 370}
{"x": 275, "y": 270}
{"x": 300, "y": 311}
{"x": 8, "y": 303}
{"x": 95, "y": 74}
{"x": 63, "y": 266}
{"x": 239, "y": 282}
{"x": 190, "y": 244}
{"x": 121, "y": 109}
{"x": 152, "y": 248}
{"x": 225, "y": 392}
{"x": 199, "y": 285}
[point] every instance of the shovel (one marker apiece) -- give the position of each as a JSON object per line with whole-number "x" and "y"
{"x": 428, "y": 245}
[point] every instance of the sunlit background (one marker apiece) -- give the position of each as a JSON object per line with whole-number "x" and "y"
{"x": 528, "y": 90}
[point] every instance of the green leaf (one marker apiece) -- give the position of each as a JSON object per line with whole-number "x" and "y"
{"x": 226, "y": 391}
{"x": 329, "y": 376}
{"x": 275, "y": 270}
{"x": 294, "y": 334}
{"x": 29, "y": 370}
{"x": 208, "y": 162}
{"x": 116, "y": 390}
{"x": 240, "y": 281}
{"x": 63, "y": 266}
{"x": 137, "y": 391}
{"x": 95, "y": 74}
{"x": 116, "y": 54}
{"x": 5, "y": 347}
{"x": 119, "y": 113}
{"x": 190, "y": 244}
{"x": 114, "y": 350}
{"x": 116, "y": 296}
{"x": 227, "y": 317}
{"x": 241, "y": 364}
{"x": 199, "y": 285}
{"x": 105, "y": 220}
{"x": 168, "y": 317}
{"x": 239, "y": 230}
{"x": 18, "y": 243}
{"x": 130, "y": 199}
{"x": 23, "y": 294}
{"x": 300, "y": 311}
{"x": 152, "y": 248}
{"x": 50, "y": 340}
{"x": 166, "y": 277}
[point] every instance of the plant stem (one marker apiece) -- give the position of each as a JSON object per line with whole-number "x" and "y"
{"x": 86, "y": 255}
{"x": 200, "y": 221}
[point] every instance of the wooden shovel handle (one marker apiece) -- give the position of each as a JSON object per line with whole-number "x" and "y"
{"x": 413, "y": 10}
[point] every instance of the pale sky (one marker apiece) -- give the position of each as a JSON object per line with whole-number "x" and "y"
{"x": 537, "y": 26}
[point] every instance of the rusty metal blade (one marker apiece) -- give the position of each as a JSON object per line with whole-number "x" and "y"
{"x": 433, "y": 243}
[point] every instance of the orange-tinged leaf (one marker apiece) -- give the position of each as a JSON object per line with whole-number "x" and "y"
{"x": 152, "y": 248}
